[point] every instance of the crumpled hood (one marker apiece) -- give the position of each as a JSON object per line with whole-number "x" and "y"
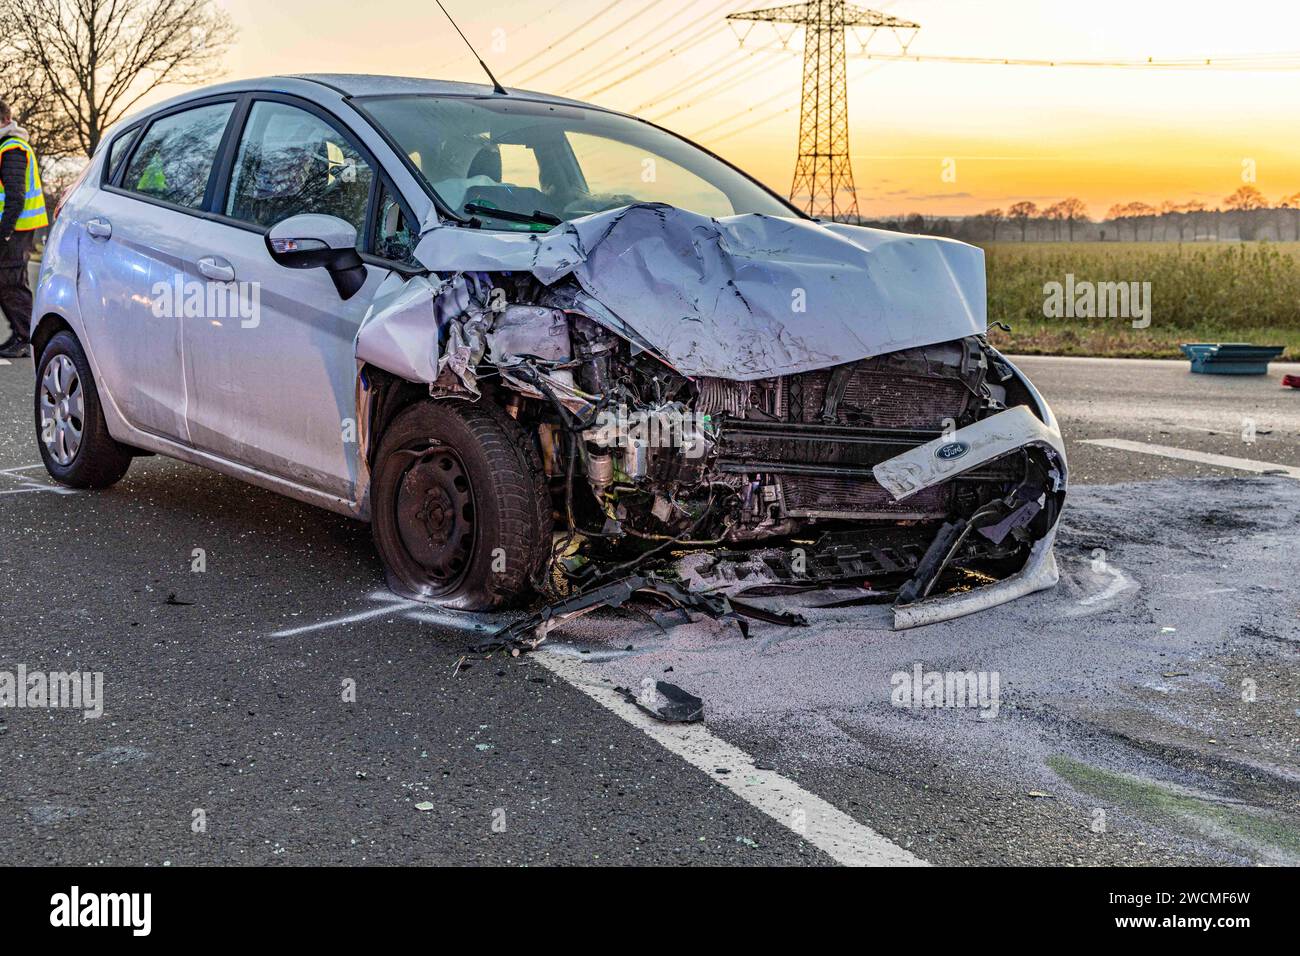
{"x": 745, "y": 297}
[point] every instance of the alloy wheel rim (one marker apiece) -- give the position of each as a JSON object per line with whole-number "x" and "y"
{"x": 63, "y": 409}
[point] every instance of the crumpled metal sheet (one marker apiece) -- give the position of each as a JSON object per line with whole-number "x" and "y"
{"x": 529, "y": 330}
{"x": 744, "y": 297}
{"x": 400, "y": 330}
{"x": 426, "y": 330}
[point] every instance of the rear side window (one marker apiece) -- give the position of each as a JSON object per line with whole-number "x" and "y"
{"x": 175, "y": 157}
{"x": 117, "y": 152}
{"x": 290, "y": 162}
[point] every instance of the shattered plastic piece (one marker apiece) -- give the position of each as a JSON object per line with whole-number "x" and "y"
{"x": 963, "y": 450}
{"x": 528, "y": 633}
{"x": 425, "y": 806}
{"x": 666, "y": 702}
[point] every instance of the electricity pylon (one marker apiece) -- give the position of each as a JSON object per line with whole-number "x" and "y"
{"x": 823, "y": 173}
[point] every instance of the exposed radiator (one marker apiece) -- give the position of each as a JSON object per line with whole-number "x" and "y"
{"x": 831, "y": 497}
{"x": 877, "y": 399}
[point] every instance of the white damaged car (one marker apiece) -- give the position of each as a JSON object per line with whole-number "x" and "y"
{"x": 540, "y": 346}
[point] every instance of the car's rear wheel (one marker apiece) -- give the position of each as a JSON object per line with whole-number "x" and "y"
{"x": 71, "y": 433}
{"x": 459, "y": 507}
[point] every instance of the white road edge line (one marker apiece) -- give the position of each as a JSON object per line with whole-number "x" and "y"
{"x": 1200, "y": 457}
{"x": 395, "y": 606}
{"x": 813, "y": 819}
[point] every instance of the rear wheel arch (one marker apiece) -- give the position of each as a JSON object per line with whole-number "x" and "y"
{"x": 50, "y": 325}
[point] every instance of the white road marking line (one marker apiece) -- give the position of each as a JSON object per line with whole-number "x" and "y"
{"x": 456, "y": 620}
{"x": 1200, "y": 457}
{"x": 5, "y": 362}
{"x": 30, "y": 484}
{"x": 808, "y": 815}
{"x": 410, "y": 610}
{"x": 813, "y": 819}
{"x": 394, "y": 606}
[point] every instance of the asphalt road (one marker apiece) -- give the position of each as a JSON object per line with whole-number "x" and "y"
{"x": 227, "y": 737}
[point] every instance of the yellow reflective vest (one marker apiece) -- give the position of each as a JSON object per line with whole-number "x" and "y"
{"x": 33, "y": 215}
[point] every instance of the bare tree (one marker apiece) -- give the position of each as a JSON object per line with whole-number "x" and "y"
{"x": 1292, "y": 203}
{"x": 24, "y": 87}
{"x": 994, "y": 217}
{"x": 98, "y": 58}
{"x": 1020, "y": 214}
{"x": 1071, "y": 210}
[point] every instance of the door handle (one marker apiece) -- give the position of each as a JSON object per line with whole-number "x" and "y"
{"x": 218, "y": 270}
{"x": 99, "y": 228}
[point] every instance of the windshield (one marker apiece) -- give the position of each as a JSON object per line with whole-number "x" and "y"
{"x": 537, "y": 164}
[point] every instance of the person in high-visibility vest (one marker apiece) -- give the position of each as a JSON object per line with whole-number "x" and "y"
{"x": 22, "y": 212}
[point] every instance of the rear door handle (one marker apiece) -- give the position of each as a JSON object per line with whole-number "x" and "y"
{"x": 217, "y": 269}
{"x": 99, "y": 228}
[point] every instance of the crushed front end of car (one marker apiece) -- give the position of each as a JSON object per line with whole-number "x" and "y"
{"x": 816, "y": 402}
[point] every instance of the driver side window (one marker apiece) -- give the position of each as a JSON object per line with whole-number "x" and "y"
{"x": 395, "y": 234}
{"x": 290, "y": 162}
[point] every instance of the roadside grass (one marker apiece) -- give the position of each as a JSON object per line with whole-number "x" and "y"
{"x": 1200, "y": 292}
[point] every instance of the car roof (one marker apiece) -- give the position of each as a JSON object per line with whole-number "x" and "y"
{"x": 350, "y": 85}
{"x": 369, "y": 84}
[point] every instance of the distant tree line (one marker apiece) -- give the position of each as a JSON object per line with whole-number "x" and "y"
{"x": 1245, "y": 215}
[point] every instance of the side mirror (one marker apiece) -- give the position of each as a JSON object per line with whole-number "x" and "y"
{"x": 314, "y": 241}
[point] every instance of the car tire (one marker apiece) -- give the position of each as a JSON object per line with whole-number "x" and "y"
{"x": 460, "y": 511}
{"x": 71, "y": 432}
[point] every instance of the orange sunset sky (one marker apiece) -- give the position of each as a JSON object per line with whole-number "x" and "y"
{"x": 1013, "y": 133}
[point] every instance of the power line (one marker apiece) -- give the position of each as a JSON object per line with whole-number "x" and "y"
{"x": 692, "y": 82}
{"x": 731, "y": 119}
{"x": 578, "y": 29}
{"x": 519, "y": 29}
{"x": 1261, "y": 62}
{"x": 704, "y": 94}
{"x": 770, "y": 116}
{"x": 612, "y": 30}
{"x": 595, "y": 69}
{"x": 695, "y": 41}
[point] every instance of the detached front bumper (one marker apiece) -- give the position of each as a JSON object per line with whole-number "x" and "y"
{"x": 963, "y": 451}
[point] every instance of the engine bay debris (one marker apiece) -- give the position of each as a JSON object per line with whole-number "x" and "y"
{"x": 819, "y": 393}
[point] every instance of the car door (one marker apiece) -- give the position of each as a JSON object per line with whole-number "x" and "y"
{"x": 273, "y": 382}
{"x": 135, "y": 254}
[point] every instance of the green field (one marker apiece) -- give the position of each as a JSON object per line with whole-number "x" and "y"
{"x": 1200, "y": 292}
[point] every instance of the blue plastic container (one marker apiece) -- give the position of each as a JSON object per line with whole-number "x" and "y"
{"x": 1231, "y": 358}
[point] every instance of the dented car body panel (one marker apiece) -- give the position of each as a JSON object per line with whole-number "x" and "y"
{"x": 684, "y": 381}
{"x": 746, "y": 297}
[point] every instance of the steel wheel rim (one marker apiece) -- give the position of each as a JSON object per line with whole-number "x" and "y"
{"x": 63, "y": 409}
{"x": 436, "y": 515}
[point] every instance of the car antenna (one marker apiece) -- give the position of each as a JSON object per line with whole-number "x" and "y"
{"x": 496, "y": 85}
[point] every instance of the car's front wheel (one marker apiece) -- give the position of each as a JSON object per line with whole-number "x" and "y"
{"x": 71, "y": 433}
{"x": 459, "y": 507}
